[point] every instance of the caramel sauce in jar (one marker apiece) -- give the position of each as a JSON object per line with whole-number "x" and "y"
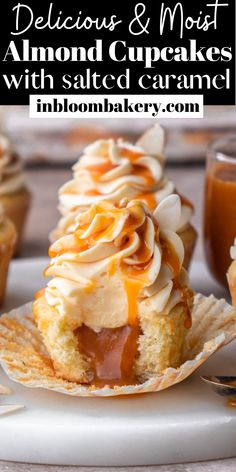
{"x": 220, "y": 218}
{"x": 111, "y": 352}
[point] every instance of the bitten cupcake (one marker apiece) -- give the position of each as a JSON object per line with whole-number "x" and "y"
{"x": 118, "y": 305}
{"x": 111, "y": 170}
{"x": 231, "y": 275}
{"x": 8, "y": 239}
{"x": 14, "y": 195}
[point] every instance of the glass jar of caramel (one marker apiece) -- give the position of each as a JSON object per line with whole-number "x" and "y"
{"x": 220, "y": 206}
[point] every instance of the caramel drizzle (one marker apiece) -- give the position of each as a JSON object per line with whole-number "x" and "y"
{"x": 98, "y": 170}
{"x": 148, "y": 198}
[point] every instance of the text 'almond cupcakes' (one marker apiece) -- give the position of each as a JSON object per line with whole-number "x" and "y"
{"x": 111, "y": 170}
{"x": 14, "y": 195}
{"x": 8, "y": 238}
{"x": 118, "y": 306}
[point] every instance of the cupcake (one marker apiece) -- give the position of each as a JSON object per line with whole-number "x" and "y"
{"x": 112, "y": 170}
{"x": 231, "y": 275}
{"x": 117, "y": 308}
{"x": 8, "y": 239}
{"x": 14, "y": 196}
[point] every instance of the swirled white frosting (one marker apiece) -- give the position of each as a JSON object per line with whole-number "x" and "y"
{"x": 12, "y": 177}
{"x": 112, "y": 170}
{"x": 233, "y": 251}
{"x": 124, "y": 257}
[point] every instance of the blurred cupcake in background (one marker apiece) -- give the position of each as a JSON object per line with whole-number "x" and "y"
{"x": 8, "y": 239}
{"x": 14, "y": 195}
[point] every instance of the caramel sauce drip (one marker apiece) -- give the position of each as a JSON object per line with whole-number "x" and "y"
{"x": 93, "y": 193}
{"x": 111, "y": 352}
{"x": 149, "y": 199}
{"x": 132, "y": 288}
{"x": 220, "y": 218}
{"x": 135, "y": 277}
{"x": 98, "y": 170}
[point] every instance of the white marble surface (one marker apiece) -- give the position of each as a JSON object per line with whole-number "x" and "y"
{"x": 186, "y": 423}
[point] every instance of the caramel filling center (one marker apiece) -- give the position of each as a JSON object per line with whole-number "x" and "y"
{"x": 111, "y": 353}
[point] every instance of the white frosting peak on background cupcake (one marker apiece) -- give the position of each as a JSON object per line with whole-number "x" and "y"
{"x": 12, "y": 178}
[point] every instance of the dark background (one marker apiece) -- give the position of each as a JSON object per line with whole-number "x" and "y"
{"x": 223, "y": 36}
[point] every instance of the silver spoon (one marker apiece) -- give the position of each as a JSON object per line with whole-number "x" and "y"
{"x": 223, "y": 385}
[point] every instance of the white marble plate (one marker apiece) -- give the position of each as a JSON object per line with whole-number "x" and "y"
{"x": 185, "y": 423}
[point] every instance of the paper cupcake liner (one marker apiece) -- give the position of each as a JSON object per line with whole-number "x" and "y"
{"x": 24, "y": 357}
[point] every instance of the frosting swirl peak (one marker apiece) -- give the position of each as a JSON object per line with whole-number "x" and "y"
{"x": 112, "y": 170}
